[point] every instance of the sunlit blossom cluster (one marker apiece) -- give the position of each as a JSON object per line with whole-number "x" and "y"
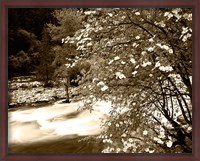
{"x": 166, "y": 47}
{"x": 161, "y": 23}
{"x": 116, "y": 58}
{"x": 168, "y": 14}
{"x": 120, "y": 75}
{"x": 137, "y": 13}
{"x": 132, "y": 60}
{"x": 103, "y": 86}
{"x": 186, "y": 33}
{"x": 146, "y": 64}
{"x": 188, "y": 16}
{"x": 134, "y": 73}
{"x": 166, "y": 68}
{"x": 150, "y": 49}
{"x": 89, "y": 12}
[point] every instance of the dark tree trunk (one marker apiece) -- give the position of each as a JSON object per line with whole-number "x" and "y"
{"x": 66, "y": 83}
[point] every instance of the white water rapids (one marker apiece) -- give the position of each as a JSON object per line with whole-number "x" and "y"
{"x": 52, "y": 122}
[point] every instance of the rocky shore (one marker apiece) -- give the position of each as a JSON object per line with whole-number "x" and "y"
{"x": 26, "y": 91}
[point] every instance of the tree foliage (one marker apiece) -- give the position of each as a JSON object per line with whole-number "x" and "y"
{"x": 141, "y": 60}
{"x": 29, "y": 20}
{"x": 69, "y": 21}
{"x": 25, "y": 27}
{"x": 19, "y": 64}
{"x": 62, "y": 57}
{"x": 45, "y": 70}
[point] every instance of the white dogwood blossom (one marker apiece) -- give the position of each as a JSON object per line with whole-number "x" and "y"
{"x": 137, "y": 13}
{"x": 100, "y": 83}
{"x": 166, "y": 68}
{"x": 169, "y": 144}
{"x": 134, "y": 73}
{"x": 120, "y": 75}
{"x": 132, "y": 60}
{"x": 104, "y": 88}
{"x": 145, "y": 132}
{"x": 116, "y": 58}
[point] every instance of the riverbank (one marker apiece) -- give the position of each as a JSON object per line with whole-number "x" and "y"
{"x": 26, "y": 91}
{"x": 64, "y": 145}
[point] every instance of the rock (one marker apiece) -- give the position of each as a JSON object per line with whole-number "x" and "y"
{"x": 66, "y": 101}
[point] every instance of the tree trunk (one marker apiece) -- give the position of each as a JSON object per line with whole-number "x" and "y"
{"x": 66, "y": 83}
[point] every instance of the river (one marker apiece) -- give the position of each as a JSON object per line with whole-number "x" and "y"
{"x": 57, "y": 128}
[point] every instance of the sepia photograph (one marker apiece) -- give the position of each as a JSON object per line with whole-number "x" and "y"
{"x": 100, "y": 80}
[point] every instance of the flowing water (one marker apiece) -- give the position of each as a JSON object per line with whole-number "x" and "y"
{"x": 57, "y": 128}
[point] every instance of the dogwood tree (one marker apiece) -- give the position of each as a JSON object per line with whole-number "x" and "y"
{"x": 141, "y": 60}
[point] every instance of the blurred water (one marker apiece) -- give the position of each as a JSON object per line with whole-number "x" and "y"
{"x": 55, "y": 122}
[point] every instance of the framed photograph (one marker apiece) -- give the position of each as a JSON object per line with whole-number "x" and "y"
{"x": 99, "y": 80}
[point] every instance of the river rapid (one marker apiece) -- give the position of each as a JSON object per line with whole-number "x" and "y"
{"x": 56, "y": 128}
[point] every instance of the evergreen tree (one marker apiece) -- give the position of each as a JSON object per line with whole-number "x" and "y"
{"x": 45, "y": 69}
{"x": 69, "y": 21}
